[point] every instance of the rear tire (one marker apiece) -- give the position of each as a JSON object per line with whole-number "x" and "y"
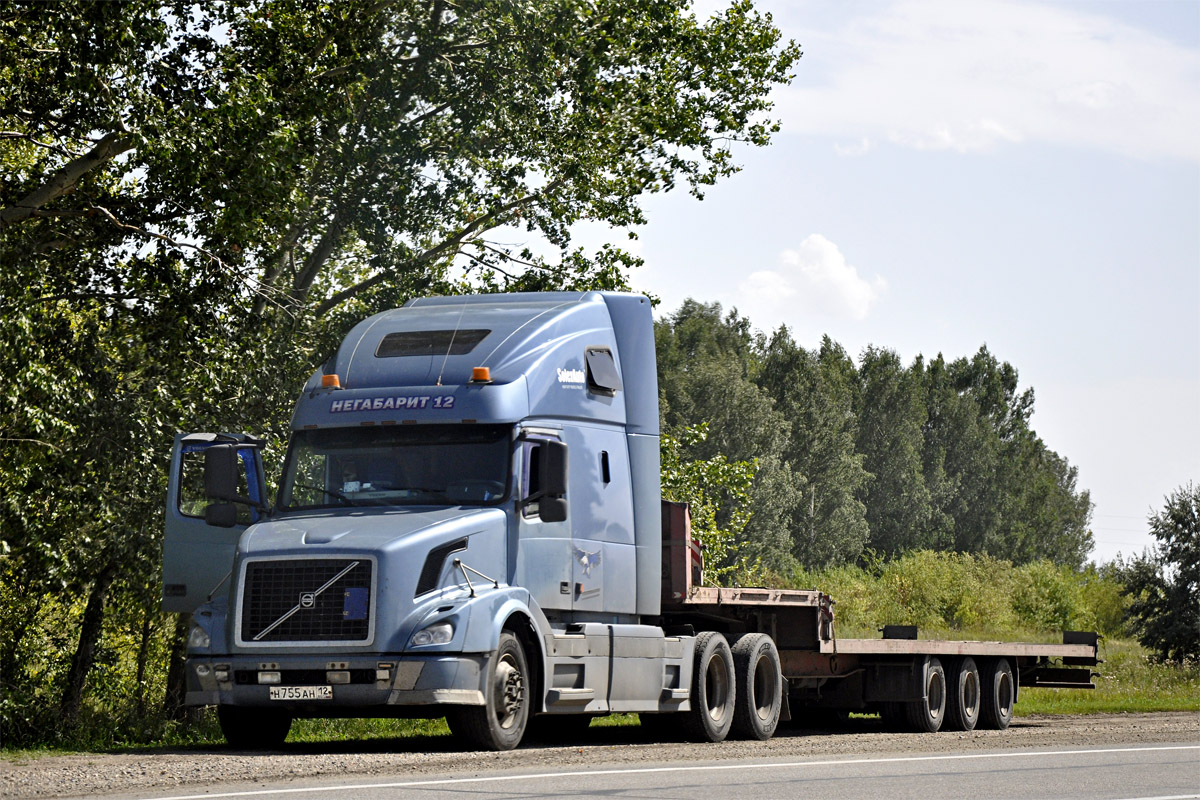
{"x": 499, "y": 724}
{"x": 714, "y": 690}
{"x": 252, "y": 727}
{"x": 998, "y": 696}
{"x": 926, "y": 716}
{"x": 962, "y": 695}
{"x": 759, "y": 687}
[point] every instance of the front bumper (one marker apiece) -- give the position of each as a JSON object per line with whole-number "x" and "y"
{"x": 356, "y": 681}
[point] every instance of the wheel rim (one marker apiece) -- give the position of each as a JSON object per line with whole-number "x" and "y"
{"x": 764, "y": 688}
{"x": 970, "y": 694}
{"x": 716, "y": 685}
{"x": 937, "y": 694}
{"x": 1004, "y": 694}
{"x": 508, "y": 691}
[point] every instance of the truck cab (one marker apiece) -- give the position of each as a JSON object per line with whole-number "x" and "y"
{"x": 468, "y": 512}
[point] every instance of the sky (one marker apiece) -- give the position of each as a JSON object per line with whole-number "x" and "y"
{"x": 1024, "y": 175}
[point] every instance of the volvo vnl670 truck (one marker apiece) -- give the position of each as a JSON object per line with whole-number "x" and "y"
{"x": 469, "y": 525}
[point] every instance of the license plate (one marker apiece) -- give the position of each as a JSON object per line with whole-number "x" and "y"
{"x": 301, "y": 692}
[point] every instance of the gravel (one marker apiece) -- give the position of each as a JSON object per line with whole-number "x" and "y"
{"x": 195, "y": 768}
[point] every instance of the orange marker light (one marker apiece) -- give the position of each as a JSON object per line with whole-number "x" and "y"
{"x": 330, "y": 382}
{"x": 480, "y": 375}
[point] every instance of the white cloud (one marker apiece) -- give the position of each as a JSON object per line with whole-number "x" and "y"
{"x": 813, "y": 280}
{"x": 968, "y": 77}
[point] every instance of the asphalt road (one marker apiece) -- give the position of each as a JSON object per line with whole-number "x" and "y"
{"x": 1098, "y": 773}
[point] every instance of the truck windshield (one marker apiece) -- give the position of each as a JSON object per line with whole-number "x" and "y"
{"x": 410, "y": 465}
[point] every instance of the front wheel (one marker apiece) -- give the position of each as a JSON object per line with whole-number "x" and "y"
{"x": 500, "y": 723}
{"x": 253, "y": 728}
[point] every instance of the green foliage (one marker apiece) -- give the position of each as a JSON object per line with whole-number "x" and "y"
{"x": 198, "y": 201}
{"x": 814, "y": 392}
{"x": 876, "y": 457}
{"x": 1131, "y": 681}
{"x": 1164, "y": 585}
{"x": 959, "y": 595}
{"x": 706, "y": 369}
{"x": 708, "y": 486}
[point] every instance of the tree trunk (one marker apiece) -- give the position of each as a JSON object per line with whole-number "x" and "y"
{"x": 89, "y": 637}
{"x": 143, "y": 653}
{"x": 176, "y": 675}
{"x": 63, "y": 181}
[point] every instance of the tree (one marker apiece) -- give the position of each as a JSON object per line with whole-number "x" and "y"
{"x": 1164, "y": 584}
{"x": 706, "y": 365}
{"x": 717, "y": 492}
{"x": 891, "y": 414}
{"x": 814, "y": 392}
{"x": 196, "y": 201}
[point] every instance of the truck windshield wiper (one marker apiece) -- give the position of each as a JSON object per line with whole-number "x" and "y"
{"x": 331, "y": 492}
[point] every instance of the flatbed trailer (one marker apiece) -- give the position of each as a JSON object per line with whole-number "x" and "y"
{"x": 921, "y": 684}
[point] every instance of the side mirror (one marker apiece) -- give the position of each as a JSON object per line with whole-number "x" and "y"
{"x": 221, "y": 473}
{"x": 220, "y": 515}
{"x": 553, "y": 469}
{"x": 552, "y": 509}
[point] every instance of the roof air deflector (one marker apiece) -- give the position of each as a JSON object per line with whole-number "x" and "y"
{"x": 429, "y": 343}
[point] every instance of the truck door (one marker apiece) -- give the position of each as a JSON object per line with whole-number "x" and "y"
{"x": 543, "y": 548}
{"x": 198, "y": 557}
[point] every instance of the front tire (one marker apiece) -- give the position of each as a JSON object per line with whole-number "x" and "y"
{"x": 714, "y": 690}
{"x": 252, "y": 727}
{"x": 500, "y": 723}
{"x": 759, "y": 687}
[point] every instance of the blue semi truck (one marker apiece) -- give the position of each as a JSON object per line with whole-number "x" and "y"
{"x": 469, "y": 524}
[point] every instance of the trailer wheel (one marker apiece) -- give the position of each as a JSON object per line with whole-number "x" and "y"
{"x": 713, "y": 690}
{"x": 500, "y": 723}
{"x": 999, "y": 694}
{"x": 925, "y": 716}
{"x": 252, "y": 728}
{"x": 759, "y": 687}
{"x": 962, "y": 695}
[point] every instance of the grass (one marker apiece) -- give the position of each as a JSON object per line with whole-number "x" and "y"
{"x": 1130, "y": 682}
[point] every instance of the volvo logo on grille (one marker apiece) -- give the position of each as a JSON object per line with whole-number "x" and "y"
{"x": 307, "y": 600}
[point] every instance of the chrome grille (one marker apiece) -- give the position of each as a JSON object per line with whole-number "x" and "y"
{"x": 307, "y": 600}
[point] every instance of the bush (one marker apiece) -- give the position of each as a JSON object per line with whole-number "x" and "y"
{"x": 958, "y": 595}
{"x": 1050, "y": 597}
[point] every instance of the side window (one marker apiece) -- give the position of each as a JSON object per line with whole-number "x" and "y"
{"x": 531, "y": 479}
{"x": 192, "y": 499}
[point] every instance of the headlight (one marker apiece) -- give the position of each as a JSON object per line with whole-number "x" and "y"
{"x": 438, "y": 633}
{"x": 198, "y": 639}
